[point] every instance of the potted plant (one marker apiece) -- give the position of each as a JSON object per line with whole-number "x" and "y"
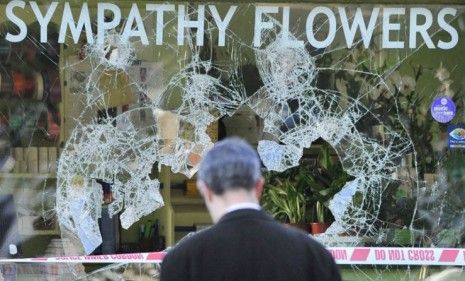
{"x": 286, "y": 203}
{"x": 321, "y": 223}
{"x": 324, "y": 181}
{"x": 301, "y": 194}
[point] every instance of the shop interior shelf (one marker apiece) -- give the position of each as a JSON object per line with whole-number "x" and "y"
{"x": 178, "y": 198}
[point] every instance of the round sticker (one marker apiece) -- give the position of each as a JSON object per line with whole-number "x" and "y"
{"x": 443, "y": 109}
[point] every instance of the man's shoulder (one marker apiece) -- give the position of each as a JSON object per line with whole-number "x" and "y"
{"x": 227, "y": 231}
{"x": 178, "y": 257}
{"x": 274, "y": 238}
{"x": 300, "y": 235}
{"x": 190, "y": 242}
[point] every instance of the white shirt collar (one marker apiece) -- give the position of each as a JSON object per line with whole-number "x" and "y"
{"x": 240, "y": 206}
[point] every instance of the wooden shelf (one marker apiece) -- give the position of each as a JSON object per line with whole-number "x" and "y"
{"x": 178, "y": 198}
{"x": 190, "y": 209}
{"x": 183, "y": 200}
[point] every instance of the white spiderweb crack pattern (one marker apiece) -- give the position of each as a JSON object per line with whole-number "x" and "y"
{"x": 295, "y": 109}
{"x": 123, "y": 155}
{"x": 117, "y": 150}
{"x": 298, "y": 106}
{"x": 120, "y": 157}
{"x": 204, "y": 99}
{"x": 296, "y": 113}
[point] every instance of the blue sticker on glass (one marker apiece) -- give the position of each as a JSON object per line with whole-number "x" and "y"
{"x": 443, "y": 109}
{"x": 456, "y": 136}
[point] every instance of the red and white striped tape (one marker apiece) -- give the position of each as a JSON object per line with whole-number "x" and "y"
{"x": 398, "y": 256}
{"x": 342, "y": 255}
{"x": 153, "y": 257}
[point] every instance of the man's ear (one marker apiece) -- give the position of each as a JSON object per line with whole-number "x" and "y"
{"x": 259, "y": 187}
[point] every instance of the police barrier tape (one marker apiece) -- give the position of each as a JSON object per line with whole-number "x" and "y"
{"x": 398, "y": 256}
{"x": 342, "y": 255}
{"x": 153, "y": 257}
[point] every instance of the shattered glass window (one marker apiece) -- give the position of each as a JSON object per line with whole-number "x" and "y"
{"x": 107, "y": 109}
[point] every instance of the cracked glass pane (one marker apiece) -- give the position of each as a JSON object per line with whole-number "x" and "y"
{"x": 99, "y": 127}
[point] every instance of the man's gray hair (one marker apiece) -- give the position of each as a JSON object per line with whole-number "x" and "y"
{"x": 231, "y": 164}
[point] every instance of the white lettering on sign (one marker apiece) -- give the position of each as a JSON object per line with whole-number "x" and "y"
{"x": 160, "y": 9}
{"x": 76, "y": 29}
{"x": 421, "y": 29}
{"x": 389, "y": 26}
{"x": 185, "y": 22}
{"x": 260, "y": 24}
{"x": 331, "y": 19}
{"x": 222, "y": 24}
{"x": 43, "y": 20}
{"x": 135, "y": 18}
{"x": 358, "y": 23}
{"x": 102, "y": 23}
{"x": 398, "y": 24}
{"x": 17, "y": 21}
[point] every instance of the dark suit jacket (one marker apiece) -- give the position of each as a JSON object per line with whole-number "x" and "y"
{"x": 248, "y": 245}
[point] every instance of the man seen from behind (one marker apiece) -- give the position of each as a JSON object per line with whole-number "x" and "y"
{"x": 244, "y": 244}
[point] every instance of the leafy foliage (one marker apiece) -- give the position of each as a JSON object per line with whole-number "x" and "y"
{"x": 326, "y": 179}
{"x": 285, "y": 201}
{"x": 303, "y": 193}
